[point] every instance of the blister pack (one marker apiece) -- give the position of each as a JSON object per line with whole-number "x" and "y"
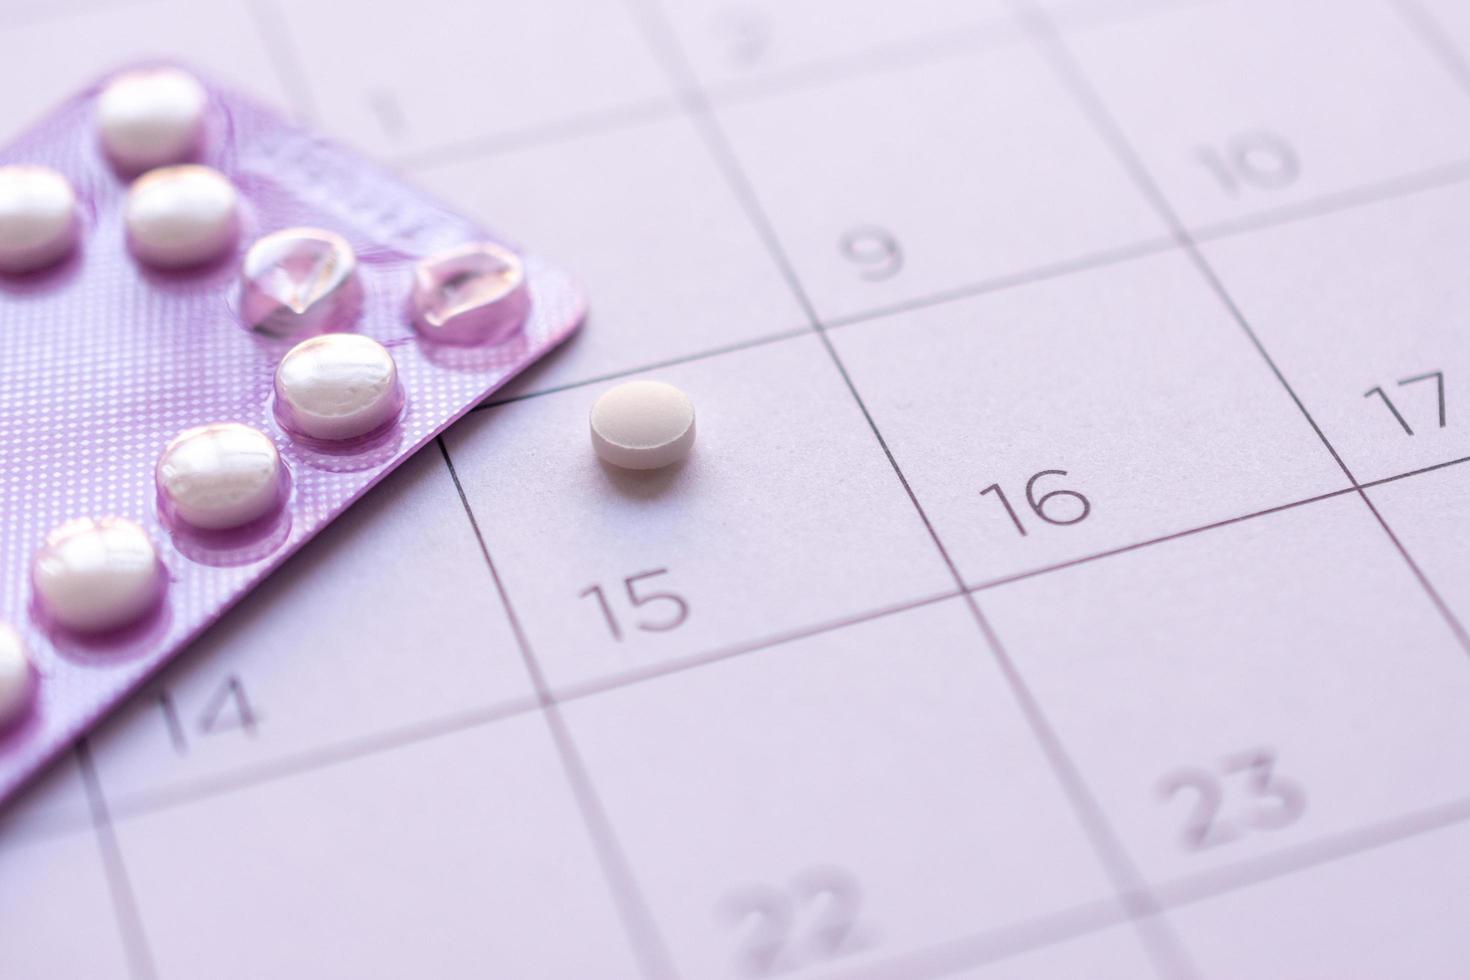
{"x": 216, "y": 332}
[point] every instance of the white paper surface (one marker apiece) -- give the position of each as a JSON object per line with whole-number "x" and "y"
{"x": 1069, "y": 579}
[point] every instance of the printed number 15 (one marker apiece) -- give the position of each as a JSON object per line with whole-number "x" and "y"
{"x": 678, "y": 609}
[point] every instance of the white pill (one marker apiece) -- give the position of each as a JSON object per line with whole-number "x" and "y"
{"x": 642, "y": 425}
{"x": 17, "y": 678}
{"x": 181, "y": 216}
{"x": 38, "y": 217}
{"x": 336, "y": 387}
{"x": 97, "y": 575}
{"x": 151, "y": 117}
{"x": 220, "y": 476}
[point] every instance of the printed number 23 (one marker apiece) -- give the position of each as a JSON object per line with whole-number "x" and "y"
{"x": 677, "y": 610}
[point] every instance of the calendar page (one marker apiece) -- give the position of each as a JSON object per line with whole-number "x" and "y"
{"x": 1069, "y": 579}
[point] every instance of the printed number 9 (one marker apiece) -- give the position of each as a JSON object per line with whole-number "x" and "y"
{"x": 874, "y": 251}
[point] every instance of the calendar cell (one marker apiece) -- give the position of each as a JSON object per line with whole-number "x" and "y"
{"x": 482, "y": 71}
{"x": 46, "y": 938}
{"x": 769, "y": 852}
{"x": 1364, "y": 312}
{"x": 653, "y": 232}
{"x": 222, "y": 35}
{"x": 271, "y": 880}
{"x": 1448, "y": 24}
{"x": 1274, "y": 104}
{"x": 1023, "y": 419}
{"x": 278, "y": 681}
{"x": 869, "y": 221}
{"x": 1244, "y": 691}
{"x": 1389, "y": 911}
{"x": 785, "y": 515}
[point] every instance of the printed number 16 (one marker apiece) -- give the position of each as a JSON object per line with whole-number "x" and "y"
{"x": 678, "y": 612}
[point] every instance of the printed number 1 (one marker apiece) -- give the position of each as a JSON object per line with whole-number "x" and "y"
{"x": 678, "y": 612}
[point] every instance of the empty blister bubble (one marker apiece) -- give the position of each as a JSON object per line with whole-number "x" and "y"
{"x": 149, "y": 117}
{"x": 38, "y": 218}
{"x": 221, "y": 476}
{"x": 17, "y": 676}
{"x": 337, "y": 387}
{"x": 643, "y": 425}
{"x": 181, "y": 216}
{"x": 92, "y": 576}
{"x": 472, "y": 294}
{"x": 300, "y": 280}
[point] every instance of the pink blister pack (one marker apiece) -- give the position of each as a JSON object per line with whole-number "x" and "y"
{"x": 172, "y": 430}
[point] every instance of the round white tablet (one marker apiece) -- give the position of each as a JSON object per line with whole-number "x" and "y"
{"x": 97, "y": 575}
{"x": 151, "y": 117}
{"x": 17, "y": 678}
{"x": 220, "y": 476}
{"x": 38, "y": 218}
{"x": 336, "y": 387}
{"x": 181, "y": 216}
{"x": 642, "y": 425}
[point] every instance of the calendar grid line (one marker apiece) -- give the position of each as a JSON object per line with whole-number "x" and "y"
{"x": 1395, "y": 188}
{"x": 449, "y": 725}
{"x": 1088, "y": 99}
{"x": 135, "y": 943}
{"x": 285, "y": 59}
{"x": 1168, "y": 955}
{"x": 566, "y": 129}
{"x": 1251, "y": 872}
{"x": 910, "y": 53}
{"x": 631, "y": 907}
{"x": 1431, "y": 34}
{"x": 349, "y": 750}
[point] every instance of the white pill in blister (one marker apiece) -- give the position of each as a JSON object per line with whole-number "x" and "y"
{"x": 642, "y": 425}
{"x": 17, "y": 678}
{"x": 150, "y": 117}
{"x": 181, "y": 216}
{"x": 336, "y": 387}
{"x": 38, "y": 217}
{"x": 97, "y": 575}
{"x": 220, "y": 476}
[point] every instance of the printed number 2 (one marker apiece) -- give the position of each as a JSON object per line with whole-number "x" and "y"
{"x": 814, "y": 918}
{"x": 678, "y": 609}
{"x": 1222, "y": 812}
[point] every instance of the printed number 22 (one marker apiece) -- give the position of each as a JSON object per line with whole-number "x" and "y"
{"x": 678, "y": 609}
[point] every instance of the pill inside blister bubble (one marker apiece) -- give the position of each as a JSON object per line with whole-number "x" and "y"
{"x": 643, "y": 425}
{"x": 17, "y": 677}
{"x": 471, "y": 294}
{"x": 38, "y": 218}
{"x": 337, "y": 387}
{"x": 150, "y": 117}
{"x": 181, "y": 216}
{"x": 298, "y": 281}
{"x": 219, "y": 477}
{"x": 93, "y": 576}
